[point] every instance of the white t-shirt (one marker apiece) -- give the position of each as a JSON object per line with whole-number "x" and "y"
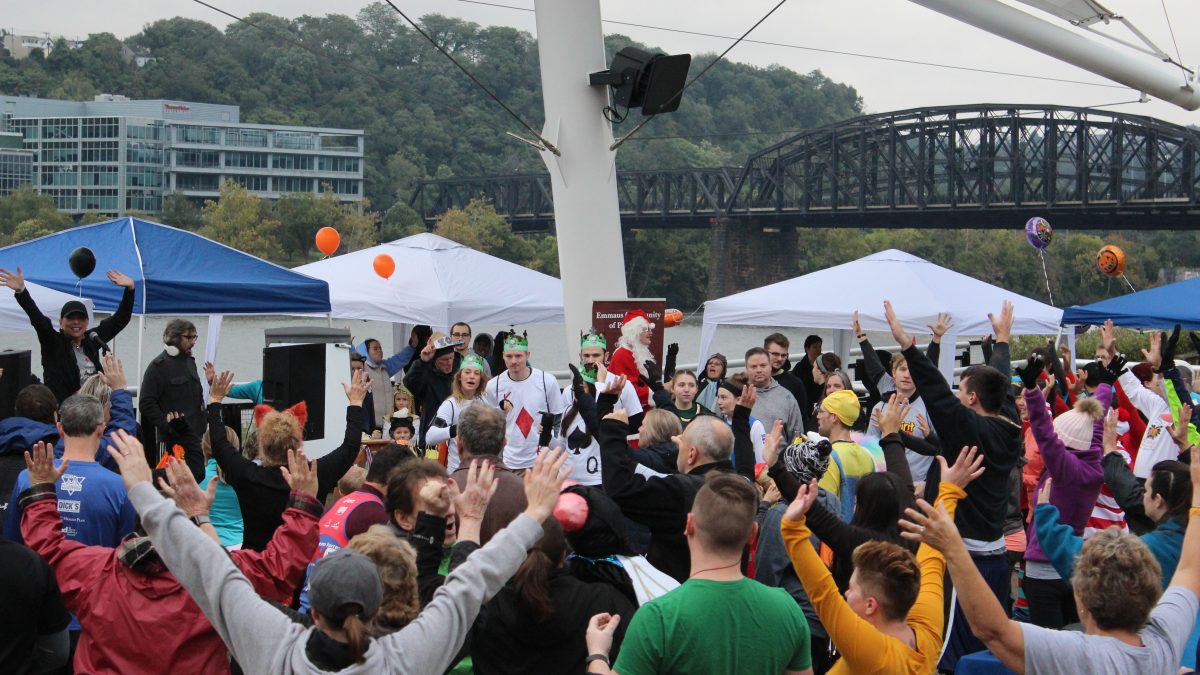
{"x": 585, "y": 462}
{"x": 447, "y": 416}
{"x": 1068, "y": 652}
{"x": 530, "y": 397}
{"x": 758, "y": 436}
{"x": 1157, "y": 443}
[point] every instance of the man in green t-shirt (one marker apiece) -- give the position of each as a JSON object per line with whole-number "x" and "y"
{"x": 718, "y": 621}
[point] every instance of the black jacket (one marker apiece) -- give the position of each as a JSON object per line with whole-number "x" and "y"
{"x": 981, "y": 515}
{"x": 812, "y": 390}
{"x": 171, "y": 384}
{"x": 60, "y": 372}
{"x": 662, "y": 504}
{"x": 429, "y": 388}
{"x": 506, "y": 639}
{"x": 788, "y": 380}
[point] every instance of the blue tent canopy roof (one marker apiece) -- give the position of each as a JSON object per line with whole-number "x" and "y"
{"x": 1160, "y": 307}
{"x": 175, "y": 272}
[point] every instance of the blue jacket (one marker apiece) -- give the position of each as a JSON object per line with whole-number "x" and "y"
{"x": 120, "y": 416}
{"x": 18, "y": 434}
{"x": 1062, "y": 546}
{"x": 393, "y": 363}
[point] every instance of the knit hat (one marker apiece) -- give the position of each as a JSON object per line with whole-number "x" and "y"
{"x": 1144, "y": 371}
{"x": 345, "y": 577}
{"x": 808, "y": 457}
{"x": 844, "y": 404}
{"x": 829, "y": 362}
{"x": 1074, "y": 427}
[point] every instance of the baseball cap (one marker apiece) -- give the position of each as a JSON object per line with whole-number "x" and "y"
{"x": 342, "y": 578}
{"x": 73, "y": 307}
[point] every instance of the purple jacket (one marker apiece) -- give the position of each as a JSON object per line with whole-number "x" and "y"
{"x": 1077, "y": 474}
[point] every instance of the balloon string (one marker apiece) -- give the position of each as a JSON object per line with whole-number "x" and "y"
{"x": 1046, "y": 275}
{"x": 1127, "y": 283}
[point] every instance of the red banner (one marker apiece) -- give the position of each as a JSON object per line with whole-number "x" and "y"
{"x": 609, "y": 315}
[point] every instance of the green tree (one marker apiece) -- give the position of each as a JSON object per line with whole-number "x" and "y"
{"x": 92, "y": 217}
{"x": 179, "y": 211}
{"x": 481, "y": 228}
{"x": 243, "y": 221}
{"x": 26, "y": 211}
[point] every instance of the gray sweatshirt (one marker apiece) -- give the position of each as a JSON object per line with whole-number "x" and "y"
{"x": 774, "y": 402}
{"x": 264, "y": 640}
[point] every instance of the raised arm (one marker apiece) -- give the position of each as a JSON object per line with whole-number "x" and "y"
{"x": 1187, "y": 573}
{"x": 333, "y": 466}
{"x": 444, "y": 425}
{"x": 235, "y": 468}
{"x": 108, "y": 328}
{"x": 16, "y": 281}
{"x": 743, "y": 444}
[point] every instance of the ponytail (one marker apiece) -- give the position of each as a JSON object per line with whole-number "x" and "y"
{"x": 1172, "y": 480}
{"x": 532, "y": 580}
{"x": 358, "y": 638}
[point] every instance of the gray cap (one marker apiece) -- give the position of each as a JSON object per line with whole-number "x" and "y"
{"x": 345, "y": 577}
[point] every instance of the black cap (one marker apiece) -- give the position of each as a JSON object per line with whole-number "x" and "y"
{"x": 73, "y": 307}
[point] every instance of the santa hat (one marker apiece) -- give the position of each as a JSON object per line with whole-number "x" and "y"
{"x": 635, "y": 322}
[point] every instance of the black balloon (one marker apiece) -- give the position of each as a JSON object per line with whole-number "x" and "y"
{"x": 83, "y": 261}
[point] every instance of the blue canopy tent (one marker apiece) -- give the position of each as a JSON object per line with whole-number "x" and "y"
{"x": 1160, "y": 307}
{"x": 176, "y": 272}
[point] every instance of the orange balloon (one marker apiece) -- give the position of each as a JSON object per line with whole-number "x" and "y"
{"x": 328, "y": 240}
{"x": 1111, "y": 261}
{"x": 384, "y": 265}
{"x": 672, "y": 318}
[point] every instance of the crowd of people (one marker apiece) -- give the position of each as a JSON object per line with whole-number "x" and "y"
{"x": 814, "y": 518}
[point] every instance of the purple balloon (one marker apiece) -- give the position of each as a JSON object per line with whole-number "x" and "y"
{"x": 1038, "y": 232}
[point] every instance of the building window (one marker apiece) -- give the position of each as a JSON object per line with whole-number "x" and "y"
{"x": 60, "y": 151}
{"x": 101, "y": 127}
{"x": 294, "y": 140}
{"x": 143, "y": 177}
{"x": 247, "y": 160}
{"x": 98, "y": 175}
{"x": 339, "y": 143}
{"x": 206, "y": 135}
{"x": 197, "y": 181}
{"x": 28, "y": 128}
{"x": 99, "y": 200}
{"x": 293, "y": 184}
{"x": 197, "y": 158}
{"x": 143, "y": 153}
{"x": 100, "y": 151}
{"x": 16, "y": 169}
{"x": 150, "y": 132}
{"x": 147, "y": 202}
{"x": 293, "y": 162}
{"x": 66, "y": 200}
{"x": 338, "y": 164}
{"x": 60, "y": 128}
{"x": 248, "y": 138}
{"x": 341, "y": 186}
{"x": 253, "y": 183}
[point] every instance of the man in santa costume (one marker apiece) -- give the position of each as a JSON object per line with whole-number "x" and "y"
{"x": 633, "y": 352}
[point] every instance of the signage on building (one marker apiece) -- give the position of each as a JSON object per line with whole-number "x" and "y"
{"x": 609, "y": 315}
{"x": 177, "y": 107}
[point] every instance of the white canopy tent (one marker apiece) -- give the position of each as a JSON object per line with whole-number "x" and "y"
{"x": 14, "y": 320}
{"x": 437, "y": 282}
{"x": 918, "y": 289}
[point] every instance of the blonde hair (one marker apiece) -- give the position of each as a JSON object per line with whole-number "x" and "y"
{"x": 95, "y": 386}
{"x": 456, "y": 389}
{"x": 396, "y": 562}
{"x": 230, "y": 435}
{"x": 658, "y": 426}
{"x": 1117, "y": 580}
{"x": 277, "y": 433}
{"x": 412, "y": 401}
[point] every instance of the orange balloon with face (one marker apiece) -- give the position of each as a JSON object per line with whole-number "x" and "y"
{"x": 1111, "y": 261}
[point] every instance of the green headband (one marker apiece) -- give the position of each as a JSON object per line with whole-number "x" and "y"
{"x": 516, "y": 342}
{"x": 473, "y": 361}
{"x": 592, "y": 339}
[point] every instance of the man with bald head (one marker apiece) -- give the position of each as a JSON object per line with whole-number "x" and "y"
{"x": 662, "y": 502}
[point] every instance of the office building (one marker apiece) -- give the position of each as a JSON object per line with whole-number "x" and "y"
{"x": 16, "y": 163}
{"x": 113, "y": 155}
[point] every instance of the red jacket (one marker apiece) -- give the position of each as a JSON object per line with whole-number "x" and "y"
{"x": 622, "y": 363}
{"x": 139, "y": 623}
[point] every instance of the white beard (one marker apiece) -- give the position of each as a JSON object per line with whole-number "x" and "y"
{"x": 641, "y": 354}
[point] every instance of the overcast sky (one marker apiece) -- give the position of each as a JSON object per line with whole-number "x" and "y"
{"x": 892, "y": 28}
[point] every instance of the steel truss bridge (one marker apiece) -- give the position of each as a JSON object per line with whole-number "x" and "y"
{"x": 975, "y": 166}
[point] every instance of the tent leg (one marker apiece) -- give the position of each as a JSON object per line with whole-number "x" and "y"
{"x": 141, "y": 334}
{"x": 708, "y": 332}
{"x": 841, "y": 346}
{"x": 946, "y": 360}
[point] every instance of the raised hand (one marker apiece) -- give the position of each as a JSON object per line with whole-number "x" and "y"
{"x": 210, "y": 373}
{"x": 898, "y": 333}
{"x": 184, "y": 491}
{"x": 893, "y": 414}
{"x": 1110, "y": 431}
{"x": 122, "y": 280}
{"x": 434, "y": 498}
{"x": 748, "y": 397}
{"x": 356, "y": 391}
{"x": 1108, "y": 338}
{"x": 114, "y": 372}
{"x": 127, "y": 452}
{"x": 940, "y": 327}
{"x": 965, "y": 469}
{"x": 771, "y": 446}
{"x": 220, "y": 387}
{"x": 802, "y": 503}
{"x": 40, "y": 462}
{"x": 300, "y": 474}
{"x": 618, "y": 415}
{"x": 543, "y": 482}
{"x": 1043, "y": 495}
{"x": 1167, "y": 353}
{"x": 857, "y": 327}
{"x": 930, "y": 526}
{"x": 1153, "y": 356}
{"x": 428, "y": 351}
{"x": 1002, "y": 325}
{"x": 1179, "y": 430}
{"x": 577, "y": 381}
{"x": 15, "y": 281}
{"x": 472, "y": 501}
{"x": 923, "y": 425}
{"x": 615, "y": 387}
{"x": 1029, "y": 374}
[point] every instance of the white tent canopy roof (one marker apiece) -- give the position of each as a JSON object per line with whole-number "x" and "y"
{"x": 14, "y": 320}
{"x": 918, "y": 289}
{"x": 437, "y": 282}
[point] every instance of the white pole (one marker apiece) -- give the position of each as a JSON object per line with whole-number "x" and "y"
{"x": 141, "y": 334}
{"x": 584, "y": 177}
{"x": 1164, "y": 82}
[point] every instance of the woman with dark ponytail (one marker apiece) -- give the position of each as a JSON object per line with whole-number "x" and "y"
{"x": 537, "y": 623}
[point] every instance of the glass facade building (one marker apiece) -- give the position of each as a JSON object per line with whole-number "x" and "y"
{"x": 114, "y": 156}
{"x": 16, "y": 164}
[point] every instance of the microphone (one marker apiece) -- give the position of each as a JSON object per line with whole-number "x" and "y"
{"x": 94, "y": 339}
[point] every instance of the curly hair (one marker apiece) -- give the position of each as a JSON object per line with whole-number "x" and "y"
{"x": 277, "y": 433}
{"x": 892, "y": 575}
{"x": 397, "y": 565}
{"x": 1117, "y": 580}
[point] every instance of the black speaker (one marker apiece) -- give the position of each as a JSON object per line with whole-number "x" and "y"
{"x": 17, "y": 375}
{"x": 294, "y": 373}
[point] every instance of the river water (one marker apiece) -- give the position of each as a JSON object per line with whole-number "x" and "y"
{"x": 242, "y": 340}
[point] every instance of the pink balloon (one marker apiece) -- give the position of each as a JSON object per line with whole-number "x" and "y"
{"x": 571, "y": 511}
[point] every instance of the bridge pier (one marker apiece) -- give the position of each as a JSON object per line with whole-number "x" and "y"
{"x": 745, "y": 255}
